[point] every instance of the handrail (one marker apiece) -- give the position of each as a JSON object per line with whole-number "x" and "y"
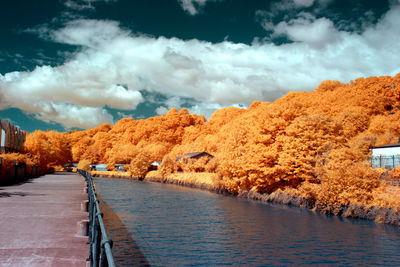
{"x": 100, "y": 245}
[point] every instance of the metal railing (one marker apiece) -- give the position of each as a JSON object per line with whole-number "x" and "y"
{"x": 100, "y": 245}
{"x": 388, "y": 162}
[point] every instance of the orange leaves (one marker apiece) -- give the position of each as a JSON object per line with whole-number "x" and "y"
{"x": 140, "y": 163}
{"x": 48, "y": 148}
{"x": 317, "y": 141}
{"x": 329, "y": 85}
{"x": 84, "y": 165}
{"x": 349, "y": 184}
{"x": 167, "y": 166}
{"x": 8, "y": 159}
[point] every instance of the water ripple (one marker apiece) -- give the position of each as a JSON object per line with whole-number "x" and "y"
{"x": 175, "y": 226}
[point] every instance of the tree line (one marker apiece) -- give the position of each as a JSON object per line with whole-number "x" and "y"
{"x": 314, "y": 144}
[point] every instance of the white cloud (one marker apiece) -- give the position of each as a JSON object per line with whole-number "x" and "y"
{"x": 161, "y": 110}
{"x": 307, "y": 29}
{"x": 289, "y": 10}
{"x": 60, "y": 93}
{"x": 72, "y": 115}
{"x": 214, "y": 75}
{"x": 207, "y": 109}
{"x": 172, "y": 102}
{"x": 193, "y": 6}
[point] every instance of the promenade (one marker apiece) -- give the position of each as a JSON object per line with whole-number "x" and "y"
{"x": 38, "y": 222}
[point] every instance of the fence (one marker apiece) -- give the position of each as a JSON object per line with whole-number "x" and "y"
{"x": 388, "y": 162}
{"x": 17, "y": 172}
{"x": 100, "y": 245}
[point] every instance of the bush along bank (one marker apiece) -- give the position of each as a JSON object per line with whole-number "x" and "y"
{"x": 16, "y": 168}
{"x": 378, "y": 214}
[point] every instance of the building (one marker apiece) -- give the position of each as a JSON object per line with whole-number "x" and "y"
{"x": 12, "y": 139}
{"x": 387, "y": 156}
{"x": 194, "y": 155}
{"x": 154, "y": 165}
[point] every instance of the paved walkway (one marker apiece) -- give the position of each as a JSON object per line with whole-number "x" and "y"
{"x": 38, "y": 222}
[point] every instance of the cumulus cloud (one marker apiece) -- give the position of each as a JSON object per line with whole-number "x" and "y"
{"x": 60, "y": 94}
{"x": 113, "y": 64}
{"x": 71, "y": 115}
{"x": 307, "y": 29}
{"x": 172, "y": 102}
{"x": 289, "y": 10}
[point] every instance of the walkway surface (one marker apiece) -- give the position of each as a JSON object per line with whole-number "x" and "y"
{"x": 38, "y": 222}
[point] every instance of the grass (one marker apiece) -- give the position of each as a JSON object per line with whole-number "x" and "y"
{"x": 110, "y": 174}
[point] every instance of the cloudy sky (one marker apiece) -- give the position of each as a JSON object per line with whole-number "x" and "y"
{"x": 68, "y": 64}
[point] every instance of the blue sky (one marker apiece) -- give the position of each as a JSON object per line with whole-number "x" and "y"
{"x": 78, "y": 63}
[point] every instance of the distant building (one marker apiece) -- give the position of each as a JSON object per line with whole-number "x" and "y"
{"x": 194, "y": 155}
{"x": 12, "y": 139}
{"x": 120, "y": 167}
{"x": 154, "y": 165}
{"x": 387, "y": 156}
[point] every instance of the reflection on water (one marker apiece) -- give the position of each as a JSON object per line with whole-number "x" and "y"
{"x": 182, "y": 226}
{"x": 125, "y": 250}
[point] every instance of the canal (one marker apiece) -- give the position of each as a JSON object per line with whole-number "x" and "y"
{"x": 167, "y": 225}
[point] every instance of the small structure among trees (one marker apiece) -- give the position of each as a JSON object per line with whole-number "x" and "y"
{"x": 196, "y": 162}
{"x": 387, "y": 156}
{"x": 195, "y": 155}
{"x": 154, "y": 165}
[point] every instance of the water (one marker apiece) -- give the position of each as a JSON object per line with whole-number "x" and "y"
{"x": 168, "y": 225}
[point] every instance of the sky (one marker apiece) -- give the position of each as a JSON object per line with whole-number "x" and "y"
{"x": 75, "y": 64}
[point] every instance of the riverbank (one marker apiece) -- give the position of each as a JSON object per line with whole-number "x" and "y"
{"x": 206, "y": 181}
{"x": 209, "y": 181}
{"x": 374, "y": 213}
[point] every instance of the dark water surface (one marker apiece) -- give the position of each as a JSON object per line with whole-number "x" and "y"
{"x": 168, "y": 225}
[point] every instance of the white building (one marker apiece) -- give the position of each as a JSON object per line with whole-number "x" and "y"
{"x": 387, "y": 156}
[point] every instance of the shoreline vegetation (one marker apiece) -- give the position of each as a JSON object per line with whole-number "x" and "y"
{"x": 311, "y": 148}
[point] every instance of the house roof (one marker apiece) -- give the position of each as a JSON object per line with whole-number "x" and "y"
{"x": 387, "y": 146}
{"x": 194, "y": 155}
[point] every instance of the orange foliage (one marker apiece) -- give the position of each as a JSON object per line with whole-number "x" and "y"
{"x": 204, "y": 164}
{"x": 349, "y": 184}
{"x": 167, "y": 167}
{"x": 140, "y": 163}
{"x": 49, "y": 148}
{"x": 84, "y": 165}
{"x": 8, "y": 159}
{"x": 317, "y": 142}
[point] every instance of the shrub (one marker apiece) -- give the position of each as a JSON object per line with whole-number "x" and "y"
{"x": 84, "y": 164}
{"x": 167, "y": 166}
